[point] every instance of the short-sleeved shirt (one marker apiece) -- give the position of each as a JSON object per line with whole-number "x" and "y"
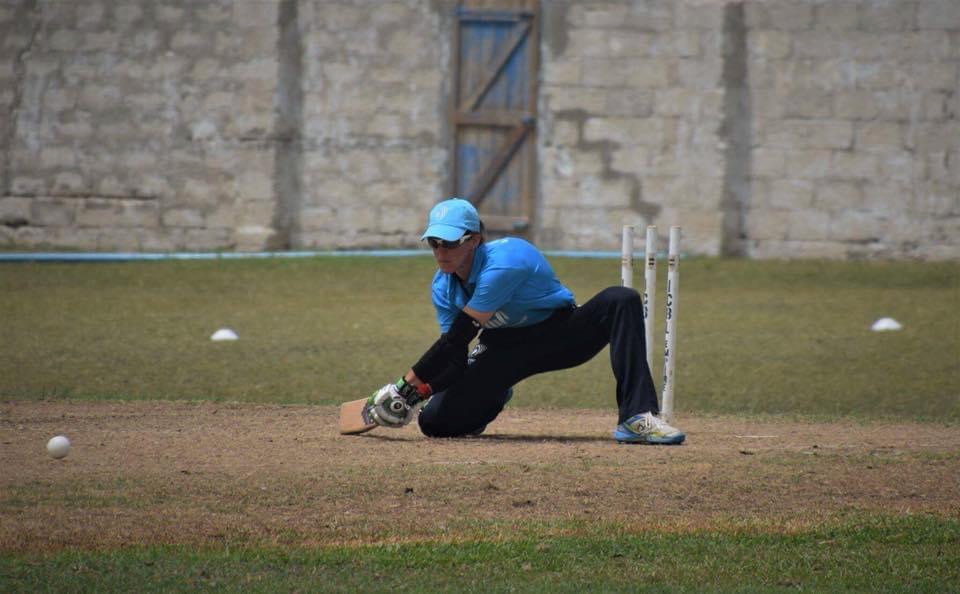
{"x": 509, "y": 277}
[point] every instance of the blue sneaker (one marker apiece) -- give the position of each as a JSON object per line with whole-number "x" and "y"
{"x": 647, "y": 428}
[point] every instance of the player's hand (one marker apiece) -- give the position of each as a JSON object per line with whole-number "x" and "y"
{"x": 395, "y": 405}
{"x": 387, "y": 407}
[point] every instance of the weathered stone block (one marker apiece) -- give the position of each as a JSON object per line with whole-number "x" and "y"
{"x": 7, "y": 12}
{"x": 214, "y": 13}
{"x": 789, "y": 194}
{"x": 698, "y": 15}
{"x": 807, "y": 224}
{"x": 560, "y": 192}
{"x": 886, "y": 197}
{"x": 632, "y": 160}
{"x": 938, "y": 14}
{"x": 855, "y": 226}
{"x": 399, "y": 219}
{"x": 100, "y": 41}
{"x": 853, "y": 165}
{"x": 108, "y": 213}
{"x": 929, "y": 45}
{"x": 89, "y": 15}
{"x": 790, "y": 16}
{"x": 183, "y": 217}
{"x": 587, "y": 43}
{"x": 262, "y": 13}
{"x": 808, "y": 164}
{"x": 57, "y": 157}
{"x": 703, "y": 74}
{"x": 127, "y": 13}
{"x": 682, "y": 44}
{"x": 210, "y": 240}
{"x": 29, "y": 186}
{"x": 811, "y": 134}
{"x": 828, "y": 45}
{"x": 836, "y": 16}
{"x": 634, "y": 44}
{"x": 629, "y": 102}
{"x": 874, "y": 135}
{"x": 768, "y": 162}
{"x": 933, "y": 75}
{"x": 564, "y": 133}
{"x": 936, "y": 106}
{"x": 255, "y": 213}
{"x": 679, "y": 102}
{"x": 69, "y": 182}
{"x": 834, "y": 196}
{"x": 766, "y": 224}
{"x": 73, "y": 237}
{"x": 14, "y": 209}
{"x": 65, "y": 40}
{"x": 633, "y": 73}
{"x": 630, "y": 131}
{"x": 809, "y": 104}
{"x": 592, "y": 101}
{"x": 936, "y": 200}
{"x": 769, "y": 45}
{"x": 360, "y": 218}
{"x": 604, "y": 15}
{"x": 52, "y": 213}
{"x": 933, "y": 137}
{"x": 888, "y": 16}
{"x": 259, "y": 69}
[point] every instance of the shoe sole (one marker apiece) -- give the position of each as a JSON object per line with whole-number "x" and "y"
{"x": 631, "y": 439}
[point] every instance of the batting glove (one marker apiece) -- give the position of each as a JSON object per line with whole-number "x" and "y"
{"x": 395, "y": 405}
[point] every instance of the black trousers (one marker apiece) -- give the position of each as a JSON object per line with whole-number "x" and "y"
{"x": 569, "y": 338}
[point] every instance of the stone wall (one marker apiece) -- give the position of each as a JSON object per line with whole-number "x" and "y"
{"x": 855, "y": 144}
{"x": 234, "y": 124}
{"x": 631, "y": 104}
{"x": 375, "y": 148}
{"x": 767, "y": 128}
{"x": 136, "y": 125}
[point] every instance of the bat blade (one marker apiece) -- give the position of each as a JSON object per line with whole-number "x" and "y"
{"x": 355, "y": 418}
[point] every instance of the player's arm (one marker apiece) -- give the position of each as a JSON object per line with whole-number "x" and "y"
{"x": 395, "y": 405}
{"x": 446, "y": 360}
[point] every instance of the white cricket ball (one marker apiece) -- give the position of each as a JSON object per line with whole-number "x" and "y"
{"x": 58, "y": 447}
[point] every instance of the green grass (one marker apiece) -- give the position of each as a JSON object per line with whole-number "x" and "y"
{"x": 907, "y": 554}
{"x": 754, "y": 337}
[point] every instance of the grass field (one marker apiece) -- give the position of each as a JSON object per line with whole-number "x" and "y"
{"x": 778, "y": 341}
{"x": 754, "y": 337}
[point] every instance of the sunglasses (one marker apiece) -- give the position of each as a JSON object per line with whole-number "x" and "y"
{"x": 448, "y": 245}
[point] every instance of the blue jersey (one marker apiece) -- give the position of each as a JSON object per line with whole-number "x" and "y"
{"x": 509, "y": 277}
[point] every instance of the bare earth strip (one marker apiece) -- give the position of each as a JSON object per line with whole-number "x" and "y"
{"x": 210, "y": 473}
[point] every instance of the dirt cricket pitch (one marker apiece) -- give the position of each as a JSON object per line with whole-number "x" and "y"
{"x": 210, "y": 473}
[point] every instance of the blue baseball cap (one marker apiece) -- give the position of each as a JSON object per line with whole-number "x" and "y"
{"x": 452, "y": 219}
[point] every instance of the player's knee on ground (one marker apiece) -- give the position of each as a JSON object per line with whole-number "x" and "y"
{"x": 442, "y": 420}
{"x": 432, "y": 426}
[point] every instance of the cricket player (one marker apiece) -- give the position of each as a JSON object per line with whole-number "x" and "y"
{"x": 528, "y": 323}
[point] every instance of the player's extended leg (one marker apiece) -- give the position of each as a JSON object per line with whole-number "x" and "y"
{"x": 619, "y": 312}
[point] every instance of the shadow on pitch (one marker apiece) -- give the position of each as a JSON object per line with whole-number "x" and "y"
{"x": 501, "y": 437}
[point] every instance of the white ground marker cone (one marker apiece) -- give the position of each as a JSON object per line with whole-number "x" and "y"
{"x": 224, "y": 334}
{"x": 885, "y": 325}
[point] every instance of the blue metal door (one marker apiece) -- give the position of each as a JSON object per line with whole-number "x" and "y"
{"x": 494, "y": 110}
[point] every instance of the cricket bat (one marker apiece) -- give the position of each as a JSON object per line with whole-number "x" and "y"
{"x": 355, "y": 417}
